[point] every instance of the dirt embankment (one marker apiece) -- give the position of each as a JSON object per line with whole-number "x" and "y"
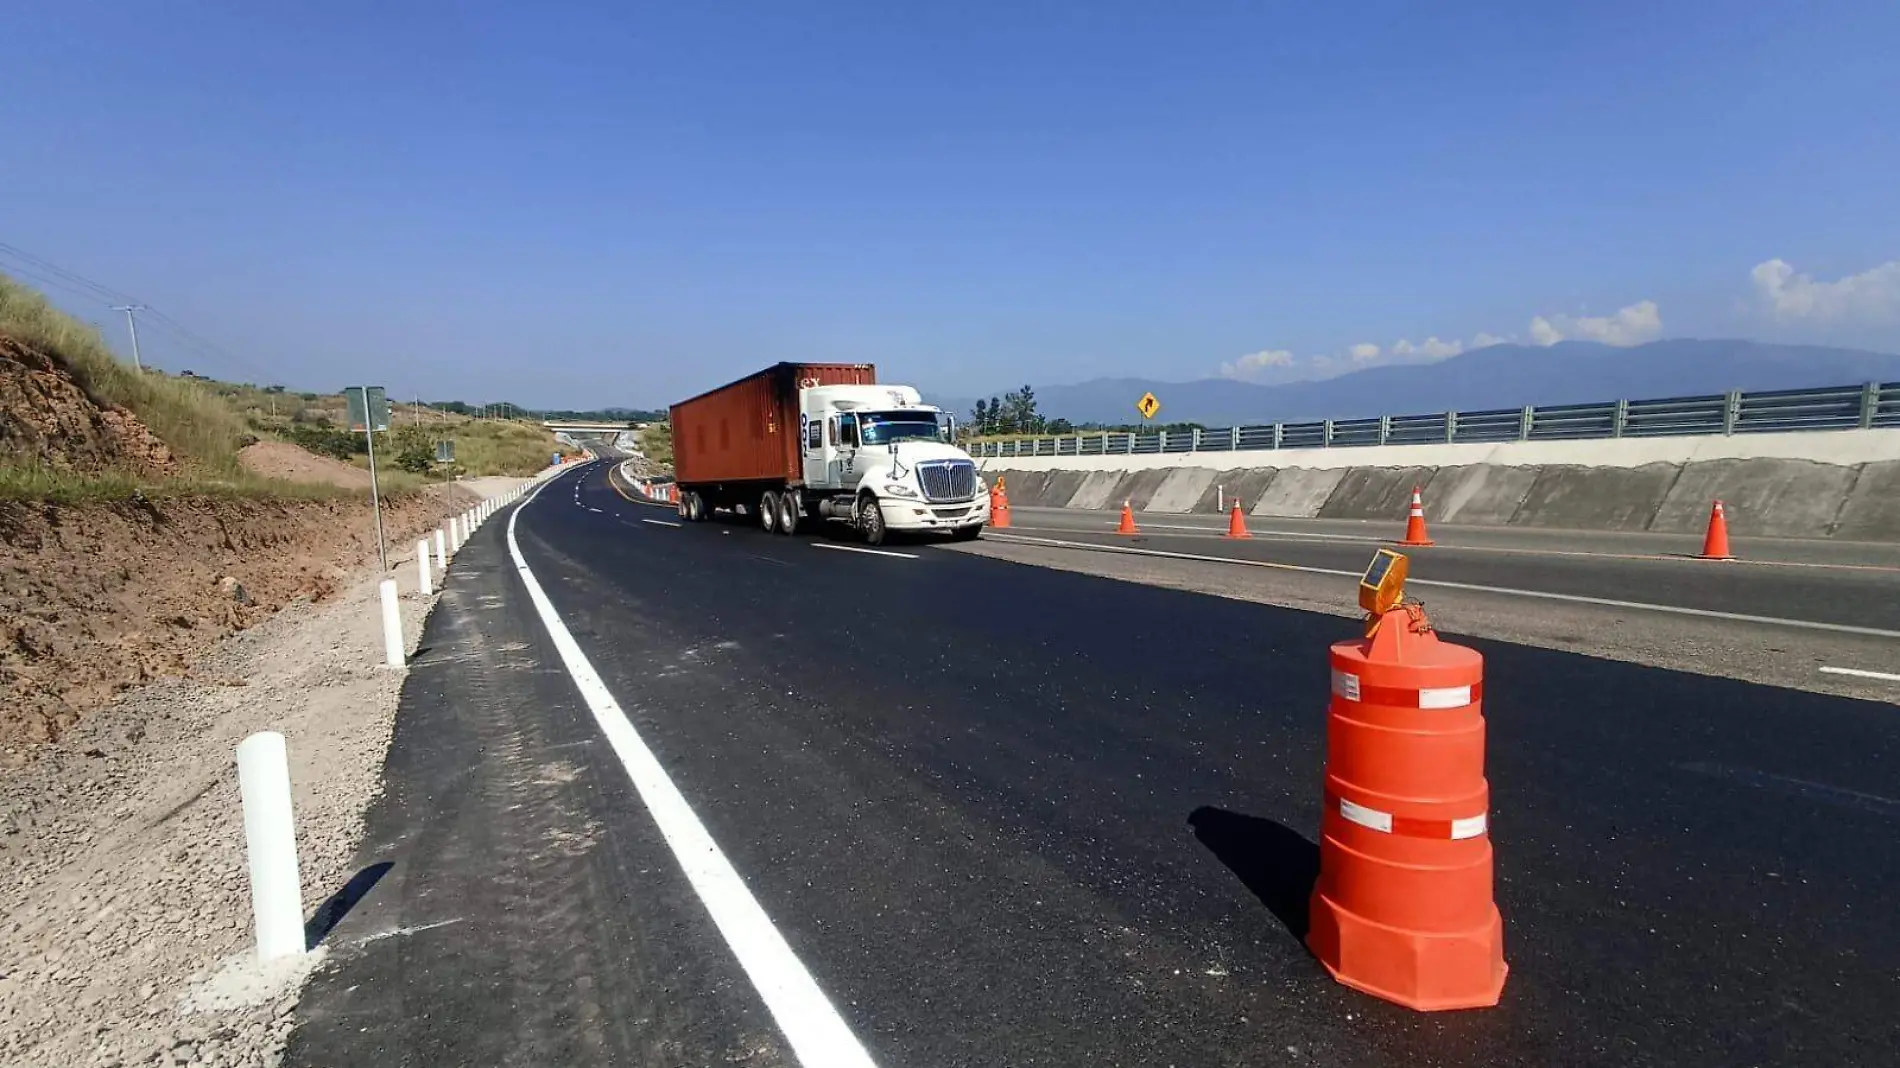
{"x": 46, "y": 418}
{"x": 97, "y": 598}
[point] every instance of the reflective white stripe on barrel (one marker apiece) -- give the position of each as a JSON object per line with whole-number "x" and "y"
{"x": 1412, "y": 826}
{"x": 1347, "y": 685}
{"x": 1365, "y": 817}
{"x": 1445, "y": 697}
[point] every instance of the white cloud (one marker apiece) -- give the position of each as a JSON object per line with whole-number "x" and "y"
{"x": 1632, "y": 325}
{"x": 1255, "y": 363}
{"x": 1364, "y": 352}
{"x": 1484, "y": 340}
{"x": 1871, "y": 294}
{"x": 1431, "y": 348}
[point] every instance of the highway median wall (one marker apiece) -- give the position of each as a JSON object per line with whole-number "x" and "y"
{"x": 1843, "y": 485}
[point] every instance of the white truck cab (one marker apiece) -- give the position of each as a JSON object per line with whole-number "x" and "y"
{"x": 882, "y": 458}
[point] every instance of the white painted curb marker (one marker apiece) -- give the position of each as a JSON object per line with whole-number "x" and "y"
{"x": 441, "y": 550}
{"x": 270, "y": 844}
{"x": 422, "y": 568}
{"x": 392, "y": 625}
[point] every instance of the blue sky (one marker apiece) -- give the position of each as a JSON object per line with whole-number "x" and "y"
{"x": 580, "y": 204}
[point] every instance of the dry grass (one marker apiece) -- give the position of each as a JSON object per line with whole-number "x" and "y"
{"x": 202, "y": 431}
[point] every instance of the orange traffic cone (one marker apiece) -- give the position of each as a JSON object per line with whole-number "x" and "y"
{"x": 1403, "y": 908}
{"x": 1415, "y": 522}
{"x": 1715, "y": 542}
{"x": 1128, "y": 520}
{"x": 1237, "y": 524}
{"x": 999, "y": 507}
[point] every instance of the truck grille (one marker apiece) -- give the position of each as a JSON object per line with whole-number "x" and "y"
{"x": 947, "y": 480}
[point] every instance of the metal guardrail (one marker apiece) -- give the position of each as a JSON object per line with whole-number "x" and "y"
{"x": 1833, "y": 408}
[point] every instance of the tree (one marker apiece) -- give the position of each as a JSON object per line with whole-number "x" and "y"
{"x": 981, "y": 417}
{"x": 1061, "y": 426}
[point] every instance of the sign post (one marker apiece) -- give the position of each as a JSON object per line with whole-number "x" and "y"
{"x": 369, "y": 413}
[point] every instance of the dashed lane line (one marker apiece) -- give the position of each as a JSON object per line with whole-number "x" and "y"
{"x": 862, "y": 549}
{"x": 1858, "y": 673}
{"x": 660, "y": 522}
{"x": 1542, "y": 595}
{"x": 812, "y": 1026}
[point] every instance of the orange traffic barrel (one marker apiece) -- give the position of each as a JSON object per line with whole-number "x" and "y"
{"x": 999, "y": 506}
{"x": 1403, "y": 908}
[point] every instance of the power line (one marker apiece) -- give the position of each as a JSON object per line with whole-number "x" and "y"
{"x": 79, "y": 285}
{"x": 107, "y": 294}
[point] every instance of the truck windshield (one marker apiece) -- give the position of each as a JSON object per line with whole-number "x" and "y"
{"x": 878, "y": 428}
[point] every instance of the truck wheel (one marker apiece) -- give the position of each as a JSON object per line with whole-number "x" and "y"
{"x": 768, "y": 512}
{"x": 967, "y": 533}
{"x": 788, "y": 513}
{"x": 870, "y": 520}
{"x": 695, "y": 508}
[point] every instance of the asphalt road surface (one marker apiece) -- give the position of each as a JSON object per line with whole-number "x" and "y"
{"x": 1007, "y": 815}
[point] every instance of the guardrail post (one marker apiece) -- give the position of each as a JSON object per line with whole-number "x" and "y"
{"x": 1869, "y": 404}
{"x": 1620, "y": 419}
{"x": 1731, "y": 410}
{"x": 1524, "y": 420}
{"x": 1326, "y": 433}
{"x": 1194, "y": 445}
{"x": 1131, "y": 443}
{"x": 1078, "y": 444}
{"x": 1163, "y": 445}
{"x": 1451, "y": 427}
{"x": 1233, "y": 439}
{"x": 1279, "y": 434}
{"x": 1385, "y": 429}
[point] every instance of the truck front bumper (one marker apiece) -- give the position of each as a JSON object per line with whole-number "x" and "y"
{"x": 900, "y": 514}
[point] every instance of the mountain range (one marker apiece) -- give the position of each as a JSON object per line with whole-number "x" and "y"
{"x": 1499, "y": 376}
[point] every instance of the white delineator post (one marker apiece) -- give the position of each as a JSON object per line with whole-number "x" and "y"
{"x": 270, "y": 843}
{"x": 455, "y": 535}
{"x": 422, "y": 568}
{"x": 392, "y": 625}
{"x": 441, "y": 550}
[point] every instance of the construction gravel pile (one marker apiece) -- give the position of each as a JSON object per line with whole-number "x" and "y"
{"x": 127, "y": 936}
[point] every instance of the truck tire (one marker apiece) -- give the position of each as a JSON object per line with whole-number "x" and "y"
{"x": 871, "y": 520}
{"x": 768, "y": 511}
{"x": 789, "y": 512}
{"x": 695, "y": 508}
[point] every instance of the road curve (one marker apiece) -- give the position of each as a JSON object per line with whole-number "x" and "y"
{"x": 1010, "y": 815}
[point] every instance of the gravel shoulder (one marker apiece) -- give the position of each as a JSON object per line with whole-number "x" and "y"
{"x": 127, "y": 937}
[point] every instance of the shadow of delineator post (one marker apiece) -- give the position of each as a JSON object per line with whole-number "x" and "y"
{"x": 1274, "y": 861}
{"x": 339, "y": 904}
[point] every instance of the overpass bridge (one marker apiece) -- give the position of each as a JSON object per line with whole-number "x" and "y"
{"x": 582, "y": 426}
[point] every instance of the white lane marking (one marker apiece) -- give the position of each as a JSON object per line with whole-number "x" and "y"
{"x": 817, "y": 1034}
{"x": 594, "y": 510}
{"x": 660, "y": 522}
{"x": 1541, "y": 595}
{"x": 862, "y": 549}
{"x": 1860, "y": 674}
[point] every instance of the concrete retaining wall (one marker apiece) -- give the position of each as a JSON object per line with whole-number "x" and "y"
{"x": 1763, "y": 495}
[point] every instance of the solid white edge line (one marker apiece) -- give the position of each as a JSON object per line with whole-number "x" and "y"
{"x": 660, "y": 522}
{"x": 1542, "y": 595}
{"x": 862, "y": 549}
{"x": 1860, "y": 674}
{"x": 806, "y": 1017}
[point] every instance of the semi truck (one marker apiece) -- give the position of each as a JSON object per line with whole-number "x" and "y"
{"x": 801, "y": 443}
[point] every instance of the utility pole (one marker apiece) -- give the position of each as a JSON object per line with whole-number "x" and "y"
{"x": 132, "y": 324}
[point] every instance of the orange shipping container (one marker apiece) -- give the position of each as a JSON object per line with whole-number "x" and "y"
{"x": 747, "y": 431}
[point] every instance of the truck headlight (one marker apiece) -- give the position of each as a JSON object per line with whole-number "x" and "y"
{"x": 898, "y": 489}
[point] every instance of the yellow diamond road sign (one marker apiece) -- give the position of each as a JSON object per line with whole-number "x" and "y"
{"x": 1148, "y": 406}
